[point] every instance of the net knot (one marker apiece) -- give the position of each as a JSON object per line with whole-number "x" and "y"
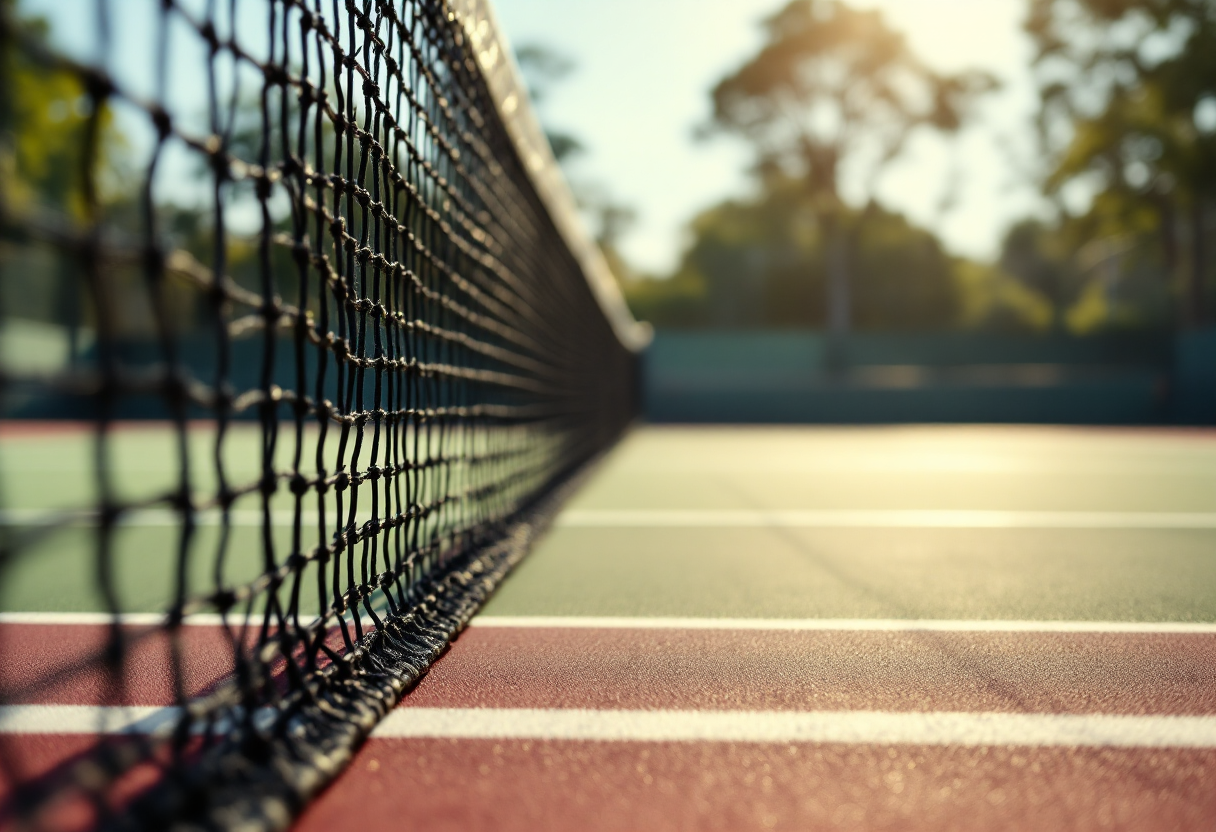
{"x": 98, "y": 85}
{"x": 299, "y": 484}
{"x": 302, "y": 255}
{"x": 276, "y": 75}
{"x": 108, "y": 515}
{"x": 208, "y": 33}
{"x": 175, "y": 389}
{"x": 300, "y": 404}
{"x": 217, "y": 160}
{"x": 224, "y": 397}
{"x": 162, "y": 121}
{"x": 181, "y": 501}
{"x": 223, "y": 600}
{"x": 292, "y": 166}
{"x": 262, "y": 185}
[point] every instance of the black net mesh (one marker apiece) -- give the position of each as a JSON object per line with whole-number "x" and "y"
{"x": 298, "y": 240}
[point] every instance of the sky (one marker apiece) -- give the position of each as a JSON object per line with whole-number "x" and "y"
{"x": 644, "y": 71}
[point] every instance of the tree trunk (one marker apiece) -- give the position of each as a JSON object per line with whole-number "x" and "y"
{"x": 1198, "y": 265}
{"x": 67, "y": 313}
{"x": 1169, "y": 252}
{"x": 839, "y": 295}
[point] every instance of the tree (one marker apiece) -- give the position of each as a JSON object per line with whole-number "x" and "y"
{"x": 60, "y": 151}
{"x": 834, "y": 84}
{"x": 542, "y": 67}
{"x": 1039, "y": 258}
{"x": 1128, "y": 91}
{"x": 762, "y": 262}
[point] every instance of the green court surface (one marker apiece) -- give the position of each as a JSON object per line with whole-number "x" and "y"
{"x": 50, "y": 469}
{"x": 1159, "y": 574}
{"x": 625, "y": 556}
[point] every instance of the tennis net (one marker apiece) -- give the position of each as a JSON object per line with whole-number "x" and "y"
{"x": 323, "y": 248}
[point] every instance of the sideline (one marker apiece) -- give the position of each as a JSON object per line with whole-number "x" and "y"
{"x": 140, "y": 619}
{"x": 883, "y": 519}
{"x": 848, "y": 727}
{"x": 842, "y": 624}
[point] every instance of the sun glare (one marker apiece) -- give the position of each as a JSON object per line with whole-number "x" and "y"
{"x": 958, "y": 34}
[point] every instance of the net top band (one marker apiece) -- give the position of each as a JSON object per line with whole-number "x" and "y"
{"x": 511, "y": 98}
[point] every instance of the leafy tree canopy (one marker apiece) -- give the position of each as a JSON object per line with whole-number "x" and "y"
{"x": 1128, "y": 119}
{"x": 833, "y": 82}
{"x": 764, "y": 263}
{"x": 1125, "y": 87}
{"x": 543, "y": 67}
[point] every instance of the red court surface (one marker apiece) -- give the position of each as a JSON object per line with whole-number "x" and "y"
{"x": 512, "y": 784}
{"x": 473, "y": 782}
{"x": 849, "y": 641}
{"x": 522, "y": 785}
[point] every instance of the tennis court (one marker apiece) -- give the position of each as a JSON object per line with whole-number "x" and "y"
{"x": 728, "y": 628}
{"x": 328, "y": 499}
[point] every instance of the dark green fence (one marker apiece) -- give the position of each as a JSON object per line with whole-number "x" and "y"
{"x": 777, "y": 376}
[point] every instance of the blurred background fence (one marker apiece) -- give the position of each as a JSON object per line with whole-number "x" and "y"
{"x": 785, "y": 376}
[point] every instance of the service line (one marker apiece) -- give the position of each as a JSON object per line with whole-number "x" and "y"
{"x": 884, "y": 519}
{"x": 842, "y": 624}
{"x": 141, "y": 619}
{"x": 695, "y": 518}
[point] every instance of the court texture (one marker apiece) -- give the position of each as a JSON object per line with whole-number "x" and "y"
{"x": 731, "y": 628}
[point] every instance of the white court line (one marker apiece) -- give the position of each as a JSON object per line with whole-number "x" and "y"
{"x": 859, "y": 727}
{"x": 834, "y": 624}
{"x": 97, "y": 619}
{"x": 157, "y": 517}
{"x": 138, "y": 619}
{"x": 884, "y": 519}
{"x": 87, "y": 719}
{"x": 706, "y": 518}
{"x": 158, "y": 720}
{"x": 853, "y": 727}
